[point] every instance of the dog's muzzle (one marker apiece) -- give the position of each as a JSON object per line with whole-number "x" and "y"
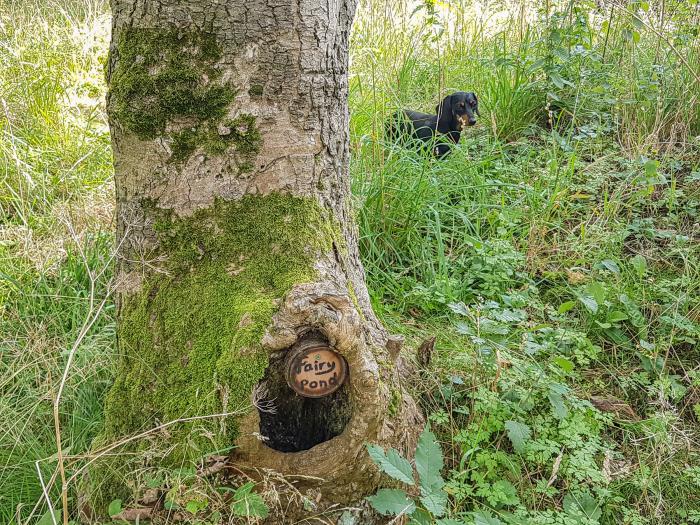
{"x": 465, "y": 121}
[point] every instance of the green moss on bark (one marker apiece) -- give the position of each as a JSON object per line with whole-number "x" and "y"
{"x": 245, "y": 135}
{"x": 164, "y": 74}
{"x": 191, "y": 337}
{"x": 241, "y": 133}
{"x": 189, "y": 340}
{"x": 256, "y": 90}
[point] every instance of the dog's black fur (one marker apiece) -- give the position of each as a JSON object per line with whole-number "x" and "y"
{"x": 441, "y": 131}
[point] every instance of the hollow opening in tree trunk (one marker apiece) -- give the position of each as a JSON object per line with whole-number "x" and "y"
{"x": 291, "y": 422}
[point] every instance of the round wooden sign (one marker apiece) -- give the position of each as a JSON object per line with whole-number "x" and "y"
{"x": 316, "y": 372}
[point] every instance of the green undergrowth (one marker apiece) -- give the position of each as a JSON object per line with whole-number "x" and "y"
{"x": 561, "y": 279}
{"x": 554, "y": 254}
{"x": 56, "y": 240}
{"x": 226, "y": 269}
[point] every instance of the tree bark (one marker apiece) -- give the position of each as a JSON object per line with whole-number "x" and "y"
{"x": 229, "y": 126}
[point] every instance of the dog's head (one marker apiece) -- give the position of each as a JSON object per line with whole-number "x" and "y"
{"x": 457, "y": 111}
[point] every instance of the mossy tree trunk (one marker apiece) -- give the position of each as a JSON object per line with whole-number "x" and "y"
{"x": 236, "y": 241}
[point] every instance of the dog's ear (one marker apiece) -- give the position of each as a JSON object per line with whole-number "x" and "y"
{"x": 444, "y": 113}
{"x": 476, "y": 103}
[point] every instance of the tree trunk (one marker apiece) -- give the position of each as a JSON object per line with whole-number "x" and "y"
{"x": 237, "y": 246}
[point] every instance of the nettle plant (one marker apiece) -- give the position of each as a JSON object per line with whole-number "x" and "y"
{"x": 431, "y": 500}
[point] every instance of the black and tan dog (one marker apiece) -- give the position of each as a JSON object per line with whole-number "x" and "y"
{"x": 441, "y": 131}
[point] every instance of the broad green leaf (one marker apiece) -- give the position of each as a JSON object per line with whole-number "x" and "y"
{"x": 115, "y": 507}
{"x": 243, "y": 490}
{"x": 449, "y": 521}
{"x": 248, "y": 503}
{"x": 636, "y": 317}
{"x": 491, "y": 327}
{"x": 609, "y": 265}
{"x": 485, "y": 518}
{"x": 392, "y": 502}
{"x": 565, "y": 307}
{"x": 617, "y": 316}
{"x": 589, "y": 302}
{"x": 582, "y": 504}
{"x": 507, "y": 315}
{"x": 651, "y": 168}
{"x": 647, "y": 345}
{"x": 195, "y": 505}
{"x": 46, "y": 519}
{"x": 429, "y": 462}
{"x": 618, "y": 336}
{"x": 459, "y": 308}
{"x": 597, "y": 291}
{"x": 421, "y": 517}
{"x": 506, "y": 492}
{"x": 435, "y": 502}
{"x": 463, "y": 328}
{"x": 558, "y": 388}
{"x": 678, "y": 389}
{"x": 563, "y": 363}
{"x": 347, "y": 519}
{"x": 392, "y": 463}
{"x": 557, "y": 80}
{"x": 639, "y": 263}
{"x": 518, "y": 433}
{"x": 252, "y": 506}
{"x": 558, "y": 405}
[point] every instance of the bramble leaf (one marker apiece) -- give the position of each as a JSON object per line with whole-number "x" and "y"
{"x": 392, "y": 502}
{"x": 435, "y": 502}
{"x": 429, "y": 462}
{"x": 558, "y": 405}
{"x": 565, "y": 307}
{"x": 485, "y": 518}
{"x": 582, "y": 503}
{"x": 392, "y": 463}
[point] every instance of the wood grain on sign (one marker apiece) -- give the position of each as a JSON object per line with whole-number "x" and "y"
{"x": 316, "y": 372}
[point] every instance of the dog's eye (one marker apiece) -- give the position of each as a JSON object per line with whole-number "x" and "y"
{"x": 473, "y": 103}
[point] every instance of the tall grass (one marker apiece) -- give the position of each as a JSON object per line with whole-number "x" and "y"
{"x": 555, "y": 185}
{"x": 55, "y": 234}
{"x": 633, "y": 68}
{"x": 555, "y": 248}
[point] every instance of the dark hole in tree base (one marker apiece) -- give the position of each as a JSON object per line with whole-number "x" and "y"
{"x": 297, "y": 422}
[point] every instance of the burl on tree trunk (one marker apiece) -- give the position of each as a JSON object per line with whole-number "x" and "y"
{"x": 237, "y": 246}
